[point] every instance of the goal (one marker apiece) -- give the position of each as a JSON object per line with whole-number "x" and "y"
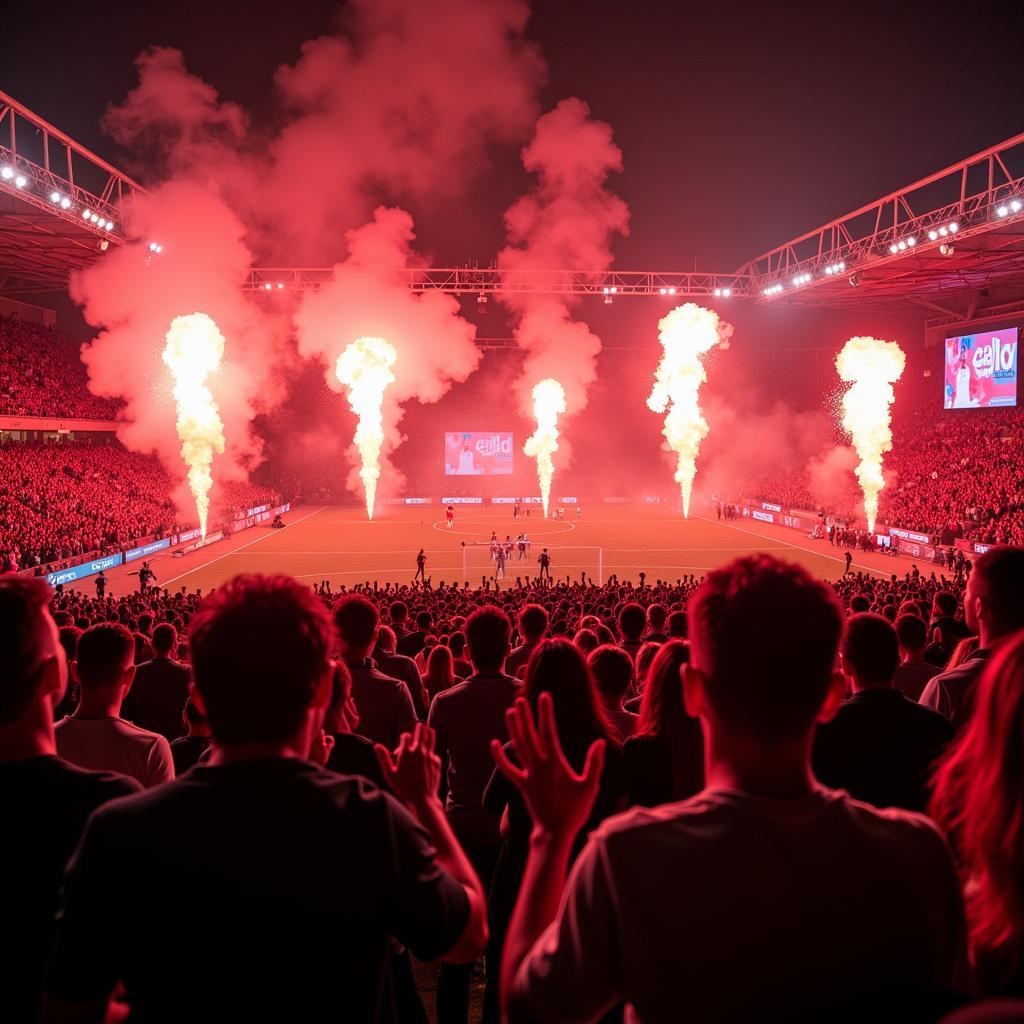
{"x": 566, "y": 560}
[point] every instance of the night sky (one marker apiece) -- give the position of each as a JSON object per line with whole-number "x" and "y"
{"x": 742, "y": 125}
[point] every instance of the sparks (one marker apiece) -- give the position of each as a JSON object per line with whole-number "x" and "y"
{"x": 193, "y": 350}
{"x": 548, "y": 405}
{"x": 365, "y": 369}
{"x": 871, "y": 366}
{"x": 687, "y": 334}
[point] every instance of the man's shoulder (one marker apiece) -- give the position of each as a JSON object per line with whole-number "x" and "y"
{"x": 162, "y": 667}
{"x": 58, "y": 774}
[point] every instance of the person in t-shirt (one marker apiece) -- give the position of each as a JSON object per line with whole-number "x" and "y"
{"x": 913, "y": 672}
{"x": 304, "y": 878}
{"x": 95, "y": 735}
{"x": 533, "y": 624}
{"x": 160, "y": 688}
{"x": 994, "y": 610}
{"x": 544, "y": 560}
{"x": 385, "y": 705}
{"x": 765, "y": 896}
{"x": 880, "y": 746}
{"x": 421, "y": 566}
{"x": 466, "y": 718}
{"x": 44, "y": 800}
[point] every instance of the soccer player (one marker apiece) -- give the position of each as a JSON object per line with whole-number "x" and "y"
{"x": 146, "y": 576}
{"x": 450, "y": 515}
{"x": 421, "y": 565}
{"x": 101, "y": 585}
{"x": 515, "y": 511}
{"x": 545, "y": 564}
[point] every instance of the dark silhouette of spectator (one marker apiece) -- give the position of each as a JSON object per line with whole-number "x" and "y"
{"x": 631, "y": 622}
{"x": 157, "y": 697}
{"x": 913, "y": 672}
{"x": 612, "y": 669}
{"x": 466, "y": 718}
{"x": 881, "y": 746}
{"x": 398, "y": 666}
{"x": 665, "y": 756}
{"x": 190, "y": 749}
{"x": 533, "y": 625}
{"x": 385, "y": 705}
{"x": 44, "y": 800}
{"x": 978, "y": 800}
{"x": 665, "y": 908}
{"x": 304, "y": 877}
{"x": 993, "y": 609}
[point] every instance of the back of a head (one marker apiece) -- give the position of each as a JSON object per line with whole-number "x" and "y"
{"x": 356, "y": 619}
{"x": 662, "y": 699}
{"x": 386, "y": 640}
{"x": 440, "y": 666}
{"x": 424, "y": 620}
{"x": 612, "y": 669}
{"x": 487, "y": 634}
{"x": 945, "y": 603}
{"x": 260, "y": 646}
{"x": 999, "y": 580}
{"x": 457, "y": 643}
{"x": 859, "y": 603}
{"x": 105, "y": 652}
{"x": 165, "y": 639}
{"x": 656, "y": 616}
{"x": 632, "y": 620}
{"x": 398, "y": 611}
{"x": 558, "y": 668}
{"x": 677, "y": 625}
{"x": 533, "y": 622}
{"x": 586, "y": 641}
{"x": 69, "y": 637}
{"x": 765, "y": 635}
{"x": 870, "y": 648}
{"x": 25, "y": 640}
{"x": 911, "y": 633}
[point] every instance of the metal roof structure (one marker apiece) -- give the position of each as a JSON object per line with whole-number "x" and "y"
{"x": 950, "y": 245}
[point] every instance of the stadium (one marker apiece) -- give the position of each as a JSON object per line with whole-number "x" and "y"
{"x": 363, "y": 504}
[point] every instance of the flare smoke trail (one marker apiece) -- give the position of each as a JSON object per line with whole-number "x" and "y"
{"x": 872, "y": 367}
{"x": 568, "y": 220}
{"x": 548, "y": 405}
{"x": 193, "y": 351}
{"x": 365, "y": 369}
{"x": 687, "y": 334}
{"x": 368, "y": 296}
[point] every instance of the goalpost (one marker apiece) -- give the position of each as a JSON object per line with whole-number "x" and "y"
{"x": 566, "y": 560}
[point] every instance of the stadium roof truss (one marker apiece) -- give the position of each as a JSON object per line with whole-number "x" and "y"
{"x": 951, "y": 244}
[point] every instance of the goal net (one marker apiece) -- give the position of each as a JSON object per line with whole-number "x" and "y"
{"x": 481, "y": 560}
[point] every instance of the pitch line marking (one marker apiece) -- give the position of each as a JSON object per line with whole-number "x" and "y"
{"x": 800, "y": 547}
{"x": 241, "y": 547}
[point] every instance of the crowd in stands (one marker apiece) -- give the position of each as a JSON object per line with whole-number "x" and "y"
{"x": 746, "y": 796}
{"x": 59, "y": 501}
{"x": 42, "y": 374}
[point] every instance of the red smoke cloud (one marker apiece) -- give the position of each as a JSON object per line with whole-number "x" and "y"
{"x": 567, "y": 221}
{"x": 401, "y": 103}
{"x": 133, "y": 296}
{"x": 368, "y": 296}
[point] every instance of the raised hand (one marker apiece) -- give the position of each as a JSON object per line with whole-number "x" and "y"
{"x": 559, "y": 799}
{"x": 414, "y": 773}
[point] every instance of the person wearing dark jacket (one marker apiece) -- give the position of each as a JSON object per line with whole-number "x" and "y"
{"x": 880, "y": 747}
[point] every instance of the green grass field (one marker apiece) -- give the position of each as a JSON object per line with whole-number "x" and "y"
{"x": 340, "y": 545}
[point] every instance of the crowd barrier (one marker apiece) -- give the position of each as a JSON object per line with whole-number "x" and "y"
{"x": 146, "y": 546}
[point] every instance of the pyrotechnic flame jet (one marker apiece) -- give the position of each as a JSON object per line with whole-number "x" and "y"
{"x": 872, "y": 366}
{"x": 548, "y": 405}
{"x": 365, "y": 369}
{"x": 193, "y": 350}
{"x": 687, "y": 334}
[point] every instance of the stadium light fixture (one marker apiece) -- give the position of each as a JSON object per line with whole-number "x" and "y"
{"x": 671, "y": 291}
{"x": 1002, "y": 211}
{"x": 911, "y": 242}
{"x": 947, "y": 249}
{"x": 280, "y": 285}
{"x": 6, "y": 172}
{"x": 1016, "y": 205}
{"x": 20, "y": 181}
{"x": 933, "y": 235}
{"x": 954, "y": 227}
{"x": 65, "y": 203}
{"x": 54, "y": 197}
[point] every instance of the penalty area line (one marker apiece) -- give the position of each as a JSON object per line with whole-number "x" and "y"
{"x": 241, "y": 547}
